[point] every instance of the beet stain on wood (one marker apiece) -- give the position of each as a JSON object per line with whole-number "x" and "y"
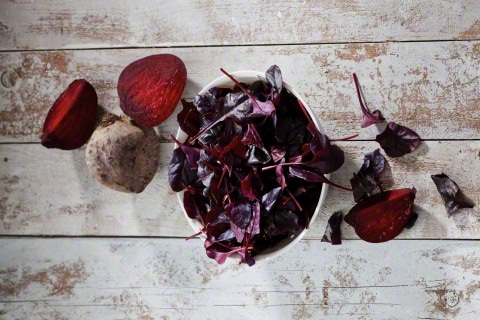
{"x": 57, "y": 280}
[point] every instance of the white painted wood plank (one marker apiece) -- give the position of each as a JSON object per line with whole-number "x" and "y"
{"x": 433, "y": 88}
{"x": 56, "y": 24}
{"x": 173, "y": 279}
{"x": 51, "y": 192}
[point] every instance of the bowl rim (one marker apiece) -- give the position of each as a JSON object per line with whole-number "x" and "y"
{"x": 286, "y": 244}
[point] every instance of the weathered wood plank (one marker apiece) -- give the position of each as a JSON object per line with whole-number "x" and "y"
{"x": 434, "y": 88}
{"x": 173, "y": 279}
{"x": 51, "y": 192}
{"x": 52, "y": 24}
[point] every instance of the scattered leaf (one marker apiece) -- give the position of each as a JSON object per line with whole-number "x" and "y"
{"x": 369, "y": 118}
{"x": 397, "y": 140}
{"x": 453, "y": 197}
{"x": 332, "y": 231}
{"x": 369, "y": 177}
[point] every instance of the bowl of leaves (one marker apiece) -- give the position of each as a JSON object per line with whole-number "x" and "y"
{"x": 250, "y": 165}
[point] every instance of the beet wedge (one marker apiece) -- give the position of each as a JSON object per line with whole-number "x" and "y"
{"x": 383, "y": 216}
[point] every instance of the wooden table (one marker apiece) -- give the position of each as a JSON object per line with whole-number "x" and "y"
{"x": 71, "y": 249}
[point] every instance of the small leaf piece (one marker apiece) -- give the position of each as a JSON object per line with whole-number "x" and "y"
{"x": 332, "y": 232}
{"x": 383, "y": 216}
{"x": 397, "y": 140}
{"x": 452, "y": 196}
{"x": 369, "y": 118}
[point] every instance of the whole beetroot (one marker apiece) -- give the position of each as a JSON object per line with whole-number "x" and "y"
{"x": 123, "y": 155}
{"x": 150, "y": 88}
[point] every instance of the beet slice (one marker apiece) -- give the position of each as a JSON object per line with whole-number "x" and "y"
{"x": 150, "y": 88}
{"x": 70, "y": 121}
{"x": 383, "y": 216}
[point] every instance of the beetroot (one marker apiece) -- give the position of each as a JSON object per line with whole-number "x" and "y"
{"x": 122, "y": 155}
{"x": 150, "y": 88}
{"x": 71, "y": 120}
{"x": 383, "y": 216}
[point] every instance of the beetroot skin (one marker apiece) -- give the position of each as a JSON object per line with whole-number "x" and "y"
{"x": 150, "y": 88}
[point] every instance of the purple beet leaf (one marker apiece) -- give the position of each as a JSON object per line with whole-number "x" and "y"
{"x": 369, "y": 177}
{"x": 189, "y": 118}
{"x": 270, "y": 198}
{"x": 320, "y": 142}
{"x": 280, "y": 222}
{"x": 278, "y": 152}
{"x": 238, "y": 113}
{"x": 332, "y": 231}
{"x": 280, "y": 176}
{"x": 180, "y": 173}
{"x": 274, "y": 79}
{"x": 252, "y": 137}
{"x": 257, "y": 156}
{"x": 192, "y": 153}
{"x": 397, "y": 140}
{"x": 453, "y": 197}
{"x": 251, "y": 186}
{"x": 240, "y": 214}
{"x": 312, "y": 176}
{"x": 328, "y": 162}
{"x": 254, "y": 225}
{"x": 221, "y": 256}
{"x": 260, "y": 108}
{"x": 369, "y": 118}
{"x": 195, "y": 205}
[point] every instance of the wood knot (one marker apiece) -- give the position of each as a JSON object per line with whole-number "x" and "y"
{"x": 8, "y": 78}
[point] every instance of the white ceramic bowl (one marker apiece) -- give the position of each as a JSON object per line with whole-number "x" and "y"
{"x": 249, "y": 76}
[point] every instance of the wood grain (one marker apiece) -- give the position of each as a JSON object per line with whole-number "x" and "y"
{"x": 433, "y": 88}
{"x": 51, "y": 192}
{"x": 173, "y": 279}
{"x": 56, "y": 24}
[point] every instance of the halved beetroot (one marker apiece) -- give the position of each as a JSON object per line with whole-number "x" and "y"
{"x": 383, "y": 216}
{"x": 150, "y": 88}
{"x": 70, "y": 122}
